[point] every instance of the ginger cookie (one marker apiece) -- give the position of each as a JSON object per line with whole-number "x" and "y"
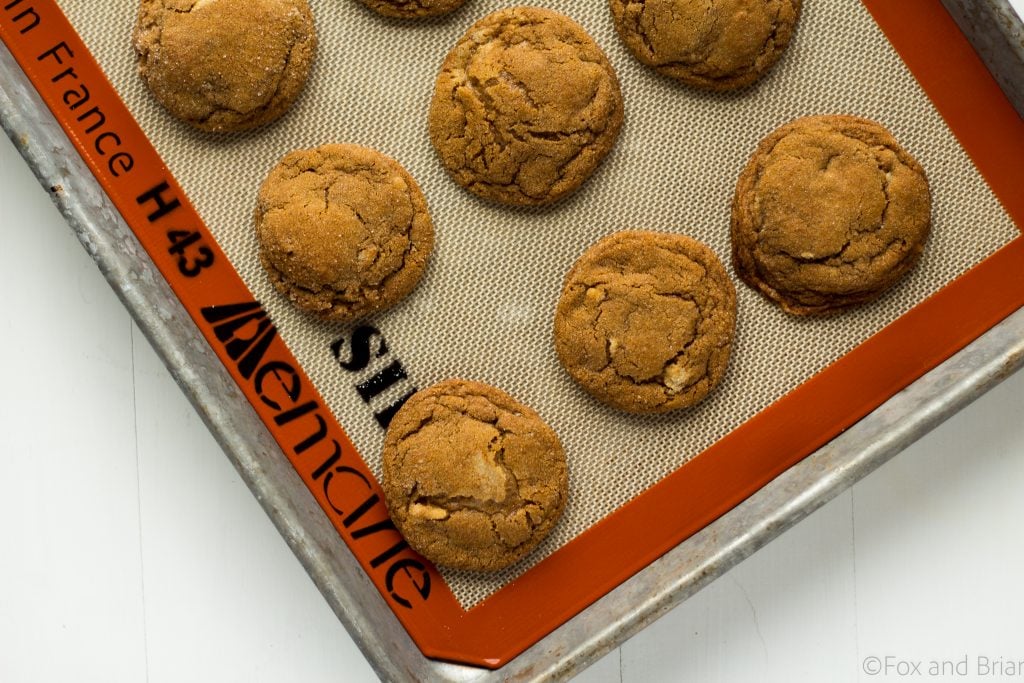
{"x": 413, "y": 9}
{"x": 343, "y": 230}
{"x": 473, "y": 478}
{"x": 711, "y": 44}
{"x": 225, "y": 65}
{"x": 525, "y": 108}
{"x": 829, "y": 213}
{"x": 646, "y": 321}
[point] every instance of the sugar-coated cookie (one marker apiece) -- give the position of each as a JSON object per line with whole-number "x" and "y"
{"x": 225, "y": 65}
{"x": 646, "y": 320}
{"x": 473, "y": 478}
{"x": 525, "y": 107}
{"x": 830, "y": 212}
{"x": 711, "y": 44}
{"x": 413, "y": 9}
{"x": 343, "y": 230}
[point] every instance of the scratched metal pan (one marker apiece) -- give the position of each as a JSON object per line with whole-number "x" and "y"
{"x": 998, "y": 35}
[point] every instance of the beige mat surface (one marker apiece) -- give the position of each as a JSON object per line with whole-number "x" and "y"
{"x": 484, "y": 310}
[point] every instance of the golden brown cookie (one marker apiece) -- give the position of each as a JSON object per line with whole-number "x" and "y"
{"x": 473, "y": 478}
{"x": 413, "y": 9}
{"x": 829, "y": 213}
{"x": 343, "y": 230}
{"x": 525, "y": 107}
{"x": 712, "y": 44}
{"x": 646, "y": 321}
{"x": 225, "y": 65}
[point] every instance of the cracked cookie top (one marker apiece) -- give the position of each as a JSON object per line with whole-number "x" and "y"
{"x": 225, "y": 65}
{"x": 473, "y": 478}
{"x": 343, "y": 230}
{"x": 525, "y": 107}
{"x": 413, "y": 9}
{"x": 829, "y": 213}
{"x": 646, "y": 320}
{"x": 712, "y": 44}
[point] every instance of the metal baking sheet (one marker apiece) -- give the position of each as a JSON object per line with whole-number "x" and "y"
{"x": 603, "y": 625}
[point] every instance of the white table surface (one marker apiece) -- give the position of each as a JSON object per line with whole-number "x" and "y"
{"x": 132, "y": 551}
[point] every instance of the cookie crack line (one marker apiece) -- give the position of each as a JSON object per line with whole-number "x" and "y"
{"x": 455, "y": 503}
{"x": 646, "y": 320}
{"x": 499, "y": 459}
{"x": 837, "y": 260}
{"x": 512, "y": 143}
{"x": 660, "y": 379}
{"x": 874, "y": 239}
{"x": 405, "y": 4}
{"x": 479, "y": 90}
{"x": 707, "y": 312}
{"x": 502, "y": 134}
{"x": 497, "y": 501}
{"x": 504, "y": 31}
{"x": 563, "y": 169}
{"x": 196, "y": 4}
{"x": 372, "y": 174}
{"x": 433, "y": 417}
{"x": 511, "y": 503}
{"x": 350, "y": 295}
{"x": 343, "y": 230}
{"x": 452, "y": 505}
{"x": 646, "y": 39}
{"x": 741, "y": 76}
{"x": 507, "y": 76}
{"x": 530, "y": 540}
{"x": 767, "y": 48}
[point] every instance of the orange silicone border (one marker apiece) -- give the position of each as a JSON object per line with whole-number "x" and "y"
{"x": 709, "y": 485}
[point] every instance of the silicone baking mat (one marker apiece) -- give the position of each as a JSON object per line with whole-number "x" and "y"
{"x": 484, "y": 308}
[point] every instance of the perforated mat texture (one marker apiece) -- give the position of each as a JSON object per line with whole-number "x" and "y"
{"x": 484, "y": 310}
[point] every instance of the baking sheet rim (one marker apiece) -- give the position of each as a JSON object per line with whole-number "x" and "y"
{"x": 170, "y": 347}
